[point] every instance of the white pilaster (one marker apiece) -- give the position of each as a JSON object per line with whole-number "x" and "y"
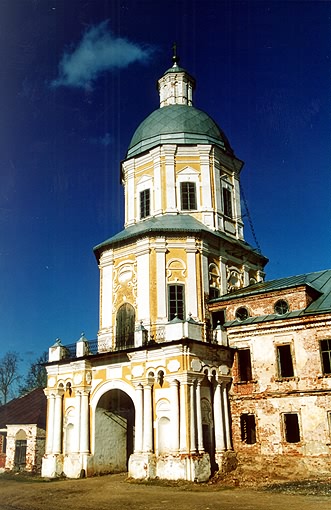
{"x": 191, "y": 281}
{"x": 204, "y": 151}
{"x": 183, "y": 432}
{"x": 143, "y": 277}
{"x": 50, "y": 422}
{"x": 169, "y": 153}
{"x": 58, "y": 422}
{"x": 193, "y": 447}
{"x": 174, "y": 416}
{"x": 76, "y": 446}
{"x": 205, "y": 269}
{"x": 106, "y": 289}
{"x": 218, "y": 419}
{"x": 129, "y": 193}
{"x": 148, "y": 419}
{"x": 138, "y": 446}
{"x": 201, "y": 448}
{"x": 160, "y": 249}
{"x": 84, "y": 423}
{"x": 224, "y": 283}
{"x": 157, "y": 190}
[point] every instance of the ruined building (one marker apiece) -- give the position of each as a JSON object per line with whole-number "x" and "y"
{"x": 185, "y": 378}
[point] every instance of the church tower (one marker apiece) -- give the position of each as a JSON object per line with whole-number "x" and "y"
{"x": 151, "y": 396}
{"x": 183, "y": 241}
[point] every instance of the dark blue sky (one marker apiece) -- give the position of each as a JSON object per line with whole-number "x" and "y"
{"x": 78, "y": 76}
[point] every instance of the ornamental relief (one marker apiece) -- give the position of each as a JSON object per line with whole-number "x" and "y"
{"x": 176, "y": 270}
{"x": 124, "y": 282}
{"x": 235, "y": 278}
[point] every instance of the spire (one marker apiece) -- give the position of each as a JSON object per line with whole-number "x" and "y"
{"x": 175, "y": 57}
{"x": 176, "y": 85}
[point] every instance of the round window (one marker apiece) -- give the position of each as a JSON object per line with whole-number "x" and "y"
{"x": 242, "y": 313}
{"x": 281, "y": 307}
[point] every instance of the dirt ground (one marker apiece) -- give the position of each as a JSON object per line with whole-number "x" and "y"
{"x": 116, "y": 492}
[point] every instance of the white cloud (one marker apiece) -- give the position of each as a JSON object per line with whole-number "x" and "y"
{"x": 97, "y": 52}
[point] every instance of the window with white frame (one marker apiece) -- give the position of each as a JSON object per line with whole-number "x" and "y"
{"x": 227, "y": 202}
{"x": 188, "y": 196}
{"x": 176, "y": 301}
{"x": 145, "y": 200}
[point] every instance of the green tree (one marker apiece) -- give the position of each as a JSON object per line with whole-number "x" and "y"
{"x": 9, "y": 375}
{"x": 36, "y": 376}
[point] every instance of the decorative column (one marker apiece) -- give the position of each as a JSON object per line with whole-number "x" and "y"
{"x": 205, "y": 268}
{"x": 160, "y": 250}
{"x": 128, "y": 170}
{"x": 78, "y": 422}
{"x": 224, "y": 281}
{"x": 84, "y": 423}
{"x": 50, "y": 421}
{"x": 218, "y": 419}
{"x": 58, "y": 422}
{"x": 138, "y": 446}
{"x": 143, "y": 287}
{"x": 226, "y": 416}
{"x": 148, "y": 419}
{"x": 157, "y": 191}
{"x": 201, "y": 448}
{"x": 170, "y": 186}
{"x": 193, "y": 447}
{"x": 183, "y": 436}
{"x": 204, "y": 151}
{"x": 191, "y": 284}
{"x": 174, "y": 416}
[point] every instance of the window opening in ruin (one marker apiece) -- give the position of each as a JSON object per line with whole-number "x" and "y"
{"x": 144, "y": 203}
{"x": 218, "y": 317}
{"x": 292, "y": 430}
{"x": 227, "y": 202}
{"x": 125, "y": 326}
{"x": 329, "y": 422}
{"x": 176, "y": 301}
{"x": 285, "y": 362}
{"x": 242, "y": 313}
{"x": 248, "y": 428}
{"x": 326, "y": 356}
{"x": 244, "y": 365}
{"x": 281, "y": 307}
{"x": 188, "y": 196}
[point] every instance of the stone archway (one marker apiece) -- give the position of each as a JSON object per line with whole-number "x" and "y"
{"x": 113, "y": 432}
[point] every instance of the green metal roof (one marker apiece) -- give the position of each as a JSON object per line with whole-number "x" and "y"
{"x": 177, "y": 124}
{"x": 184, "y": 223}
{"x": 319, "y": 281}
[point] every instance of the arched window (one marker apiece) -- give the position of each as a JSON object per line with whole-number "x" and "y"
{"x": 125, "y": 325}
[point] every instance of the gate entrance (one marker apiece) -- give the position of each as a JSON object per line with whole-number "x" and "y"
{"x": 114, "y": 432}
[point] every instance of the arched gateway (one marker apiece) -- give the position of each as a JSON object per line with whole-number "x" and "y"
{"x": 113, "y": 432}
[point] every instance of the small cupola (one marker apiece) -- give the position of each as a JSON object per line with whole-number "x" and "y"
{"x": 176, "y": 85}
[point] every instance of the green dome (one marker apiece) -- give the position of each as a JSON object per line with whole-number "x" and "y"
{"x": 177, "y": 124}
